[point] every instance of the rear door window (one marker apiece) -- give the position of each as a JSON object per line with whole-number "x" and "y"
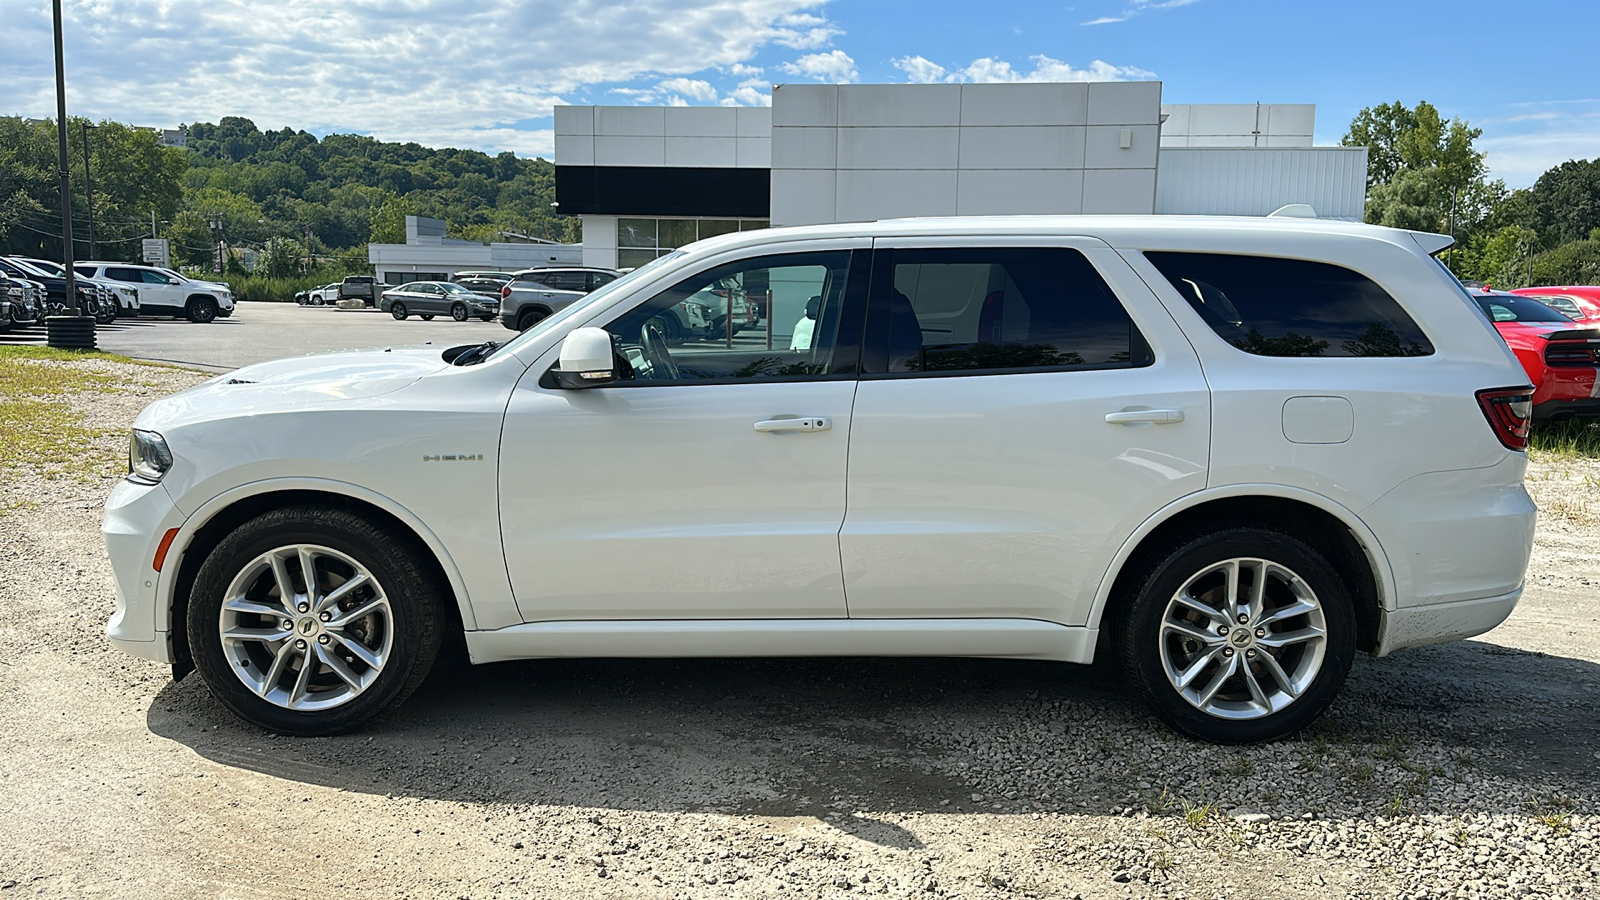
{"x": 997, "y": 310}
{"x": 1271, "y": 306}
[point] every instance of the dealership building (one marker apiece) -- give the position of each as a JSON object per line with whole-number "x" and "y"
{"x": 646, "y": 180}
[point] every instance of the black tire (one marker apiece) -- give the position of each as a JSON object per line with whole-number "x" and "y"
{"x": 458, "y": 311}
{"x": 415, "y": 621}
{"x": 530, "y": 317}
{"x": 1145, "y": 647}
{"x": 426, "y": 317}
{"x": 201, "y": 310}
{"x": 487, "y": 318}
{"x": 398, "y": 310}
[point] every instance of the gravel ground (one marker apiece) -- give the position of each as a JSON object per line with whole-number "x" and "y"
{"x": 1465, "y": 770}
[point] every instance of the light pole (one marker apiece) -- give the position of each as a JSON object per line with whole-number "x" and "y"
{"x": 72, "y": 331}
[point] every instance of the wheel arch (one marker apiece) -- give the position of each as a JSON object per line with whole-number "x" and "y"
{"x": 1331, "y": 529}
{"x": 526, "y": 308}
{"x": 216, "y": 518}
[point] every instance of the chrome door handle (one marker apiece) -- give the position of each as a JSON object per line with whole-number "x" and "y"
{"x": 1145, "y": 416}
{"x": 810, "y": 423}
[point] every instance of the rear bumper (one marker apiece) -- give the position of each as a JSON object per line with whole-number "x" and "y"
{"x": 1586, "y": 407}
{"x": 1436, "y": 623}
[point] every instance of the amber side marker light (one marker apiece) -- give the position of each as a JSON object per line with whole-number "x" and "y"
{"x": 161, "y": 550}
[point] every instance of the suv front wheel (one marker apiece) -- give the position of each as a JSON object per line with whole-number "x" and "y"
{"x": 311, "y": 621}
{"x": 1241, "y": 635}
{"x": 202, "y": 309}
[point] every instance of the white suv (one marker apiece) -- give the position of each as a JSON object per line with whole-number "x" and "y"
{"x": 1228, "y": 452}
{"x": 163, "y": 292}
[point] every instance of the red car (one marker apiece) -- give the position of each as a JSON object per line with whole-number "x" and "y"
{"x": 1578, "y": 302}
{"x": 1561, "y": 357}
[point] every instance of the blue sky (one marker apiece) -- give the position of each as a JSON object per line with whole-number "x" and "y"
{"x": 486, "y": 73}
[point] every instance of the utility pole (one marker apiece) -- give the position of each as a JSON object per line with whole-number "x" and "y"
{"x": 73, "y": 330}
{"x": 88, "y": 186}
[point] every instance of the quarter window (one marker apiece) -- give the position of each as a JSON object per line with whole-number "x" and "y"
{"x": 774, "y": 317}
{"x": 999, "y": 310}
{"x": 1292, "y": 307}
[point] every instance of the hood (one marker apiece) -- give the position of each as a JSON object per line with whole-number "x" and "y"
{"x": 320, "y": 378}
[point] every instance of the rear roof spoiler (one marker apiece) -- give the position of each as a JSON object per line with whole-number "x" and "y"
{"x": 1433, "y": 244}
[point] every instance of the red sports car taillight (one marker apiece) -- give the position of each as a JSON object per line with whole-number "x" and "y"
{"x": 1510, "y": 412}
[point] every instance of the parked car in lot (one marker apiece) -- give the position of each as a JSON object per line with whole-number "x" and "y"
{"x": 360, "y": 287}
{"x": 163, "y": 292}
{"x": 93, "y": 299}
{"x": 534, "y": 294}
{"x": 1561, "y": 357}
{"x": 116, "y": 299}
{"x": 430, "y": 298}
{"x": 26, "y": 300}
{"x": 1580, "y": 303}
{"x": 500, "y": 278}
{"x": 1230, "y": 453}
{"x": 322, "y": 295}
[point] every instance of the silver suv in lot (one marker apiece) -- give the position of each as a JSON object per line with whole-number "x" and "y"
{"x": 1227, "y": 453}
{"x": 533, "y": 294}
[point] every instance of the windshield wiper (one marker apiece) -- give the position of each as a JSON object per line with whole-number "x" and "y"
{"x": 476, "y": 354}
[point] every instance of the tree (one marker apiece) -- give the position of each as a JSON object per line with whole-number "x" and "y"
{"x": 1422, "y": 171}
{"x": 1566, "y": 200}
{"x": 389, "y": 221}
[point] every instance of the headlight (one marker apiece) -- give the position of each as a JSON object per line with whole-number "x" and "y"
{"x": 148, "y": 457}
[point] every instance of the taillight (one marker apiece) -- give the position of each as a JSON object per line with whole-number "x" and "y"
{"x": 1510, "y": 412}
{"x": 505, "y": 292}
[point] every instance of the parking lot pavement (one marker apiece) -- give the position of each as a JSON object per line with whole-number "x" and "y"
{"x": 258, "y": 332}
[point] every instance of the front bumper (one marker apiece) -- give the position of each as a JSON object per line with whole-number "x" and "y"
{"x": 136, "y": 517}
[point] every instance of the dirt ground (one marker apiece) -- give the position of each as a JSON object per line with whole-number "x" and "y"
{"x": 1465, "y": 770}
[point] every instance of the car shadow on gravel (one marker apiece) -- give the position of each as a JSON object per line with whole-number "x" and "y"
{"x": 843, "y": 739}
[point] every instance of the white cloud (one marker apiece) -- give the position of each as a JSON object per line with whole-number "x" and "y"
{"x": 754, "y": 92}
{"x": 1521, "y": 147}
{"x": 988, "y": 71}
{"x": 835, "y": 67}
{"x": 1138, "y": 7}
{"x": 920, "y": 70}
{"x": 436, "y": 71}
{"x": 690, "y": 87}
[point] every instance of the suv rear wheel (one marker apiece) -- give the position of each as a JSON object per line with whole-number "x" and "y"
{"x": 1241, "y": 635}
{"x": 530, "y": 317}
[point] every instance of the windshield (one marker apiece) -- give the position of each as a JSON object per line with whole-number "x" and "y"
{"x": 47, "y": 267}
{"x": 599, "y": 294}
{"x": 31, "y": 270}
{"x": 1513, "y": 308}
{"x": 450, "y": 288}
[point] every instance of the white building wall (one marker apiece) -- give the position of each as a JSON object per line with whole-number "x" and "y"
{"x": 1254, "y": 181}
{"x": 1238, "y": 124}
{"x": 672, "y": 136}
{"x": 849, "y": 153}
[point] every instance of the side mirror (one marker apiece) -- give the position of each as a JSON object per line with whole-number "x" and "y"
{"x": 586, "y": 359}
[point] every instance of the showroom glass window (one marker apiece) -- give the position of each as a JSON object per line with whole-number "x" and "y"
{"x": 998, "y": 310}
{"x": 641, "y": 240}
{"x": 1292, "y": 307}
{"x": 741, "y": 322}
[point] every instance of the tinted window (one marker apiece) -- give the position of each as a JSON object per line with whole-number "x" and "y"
{"x": 1292, "y": 307}
{"x": 1563, "y": 305}
{"x": 999, "y": 310}
{"x": 151, "y": 276}
{"x": 568, "y": 281}
{"x": 1514, "y": 308}
{"x": 774, "y": 317}
{"x": 600, "y": 279}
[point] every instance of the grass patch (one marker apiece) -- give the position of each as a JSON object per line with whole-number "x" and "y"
{"x": 1569, "y": 439}
{"x": 39, "y": 429}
